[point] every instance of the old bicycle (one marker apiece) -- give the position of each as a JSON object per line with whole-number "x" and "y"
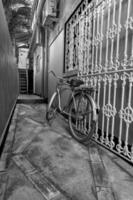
{"x": 81, "y": 110}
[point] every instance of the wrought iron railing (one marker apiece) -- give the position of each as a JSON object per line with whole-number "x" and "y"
{"x": 99, "y": 45}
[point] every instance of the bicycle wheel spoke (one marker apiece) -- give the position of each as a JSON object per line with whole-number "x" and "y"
{"x": 81, "y": 118}
{"x": 85, "y": 124}
{"x": 80, "y": 129}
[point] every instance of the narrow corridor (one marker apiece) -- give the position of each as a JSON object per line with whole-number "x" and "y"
{"x": 91, "y": 41}
{"x": 44, "y": 162}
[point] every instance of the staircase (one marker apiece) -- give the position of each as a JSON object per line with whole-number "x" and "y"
{"x": 23, "y": 81}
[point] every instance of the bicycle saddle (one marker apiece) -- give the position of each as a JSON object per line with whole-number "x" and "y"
{"x": 75, "y": 82}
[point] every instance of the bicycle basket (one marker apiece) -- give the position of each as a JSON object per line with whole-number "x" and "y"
{"x": 75, "y": 82}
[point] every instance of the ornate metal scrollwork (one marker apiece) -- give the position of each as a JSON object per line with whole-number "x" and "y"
{"x": 126, "y": 114}
{"x": 113, "y": 31}
{"x": 109, "y": 110}
{"x": 93, "y": 46}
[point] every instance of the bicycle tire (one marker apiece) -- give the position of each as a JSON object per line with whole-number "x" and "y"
{"x": 86, "y": 127}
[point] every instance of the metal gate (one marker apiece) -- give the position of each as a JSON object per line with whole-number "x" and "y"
{"x": 99, "y": 45}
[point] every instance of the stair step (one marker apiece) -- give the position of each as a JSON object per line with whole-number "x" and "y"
{"x": 23, "y": 87}
{"x": 22, "y": 73}
{"x": 22, "y": 76}
{"x": 22, "y": 70}
{"x": 22, "y": 92}
{"x": 24, "y": 82}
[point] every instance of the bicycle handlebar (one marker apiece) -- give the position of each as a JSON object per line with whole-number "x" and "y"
{"x": 62, "y": 80}
{"x": 58, "y": 77}
{"x": 52, "y": 72}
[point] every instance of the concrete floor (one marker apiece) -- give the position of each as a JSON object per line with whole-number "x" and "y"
{"x": 28, "y": 99}
{"x": 32, "y": 96}
{"x": 44, "y": 162}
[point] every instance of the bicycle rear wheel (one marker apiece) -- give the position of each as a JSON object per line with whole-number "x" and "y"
{"x": 81, "y": 122}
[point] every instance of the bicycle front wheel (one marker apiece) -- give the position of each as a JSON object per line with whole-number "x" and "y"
{"x": 81, "y": 118}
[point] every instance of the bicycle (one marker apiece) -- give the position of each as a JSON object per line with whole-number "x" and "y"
{"x": 81, "y": 110}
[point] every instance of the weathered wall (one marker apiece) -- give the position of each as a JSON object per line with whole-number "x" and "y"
{"x": 8, "y": 74}
{"x": 56, "y": 58}
{"x": 38, "y": 70}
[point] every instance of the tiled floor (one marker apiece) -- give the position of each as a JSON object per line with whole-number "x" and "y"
{"x": 44, "y": 162}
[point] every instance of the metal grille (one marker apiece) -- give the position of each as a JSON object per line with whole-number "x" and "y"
{"x": 99, "y": 44}
{"x": 78, "y": 39}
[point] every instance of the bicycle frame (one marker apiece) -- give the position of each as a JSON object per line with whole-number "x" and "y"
{"x": 80, "y": 109}
{"x": 57, "y": 94}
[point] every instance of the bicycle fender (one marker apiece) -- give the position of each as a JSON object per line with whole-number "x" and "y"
{"x": 51, "y": 100}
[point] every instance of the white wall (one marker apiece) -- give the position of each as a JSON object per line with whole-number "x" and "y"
{"x": 23, "y": 53}
{"x": 56, "y": 59}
